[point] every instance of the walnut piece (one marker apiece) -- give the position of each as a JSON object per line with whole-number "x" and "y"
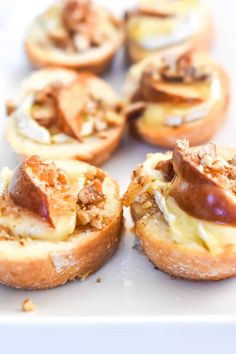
{"x": 90, "y": 195}
{"x": 182, "y": 69}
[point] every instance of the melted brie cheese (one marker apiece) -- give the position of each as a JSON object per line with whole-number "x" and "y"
{"x": 28, "y": 127}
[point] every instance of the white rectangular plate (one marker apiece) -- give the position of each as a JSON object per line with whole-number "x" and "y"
{"x": 131, "y": 290}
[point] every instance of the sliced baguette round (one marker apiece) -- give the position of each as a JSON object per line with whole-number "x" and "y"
{"x": 198, "y": 131}
{"x": 93, "y": 149}
{"x": 40, "y": 264}
{"x": 95, "y": 59}
{"x": 186, "y": 260}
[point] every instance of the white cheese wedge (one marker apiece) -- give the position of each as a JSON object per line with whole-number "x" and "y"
{"x": 182, "y": 30}
{"x": 27, "y": 126}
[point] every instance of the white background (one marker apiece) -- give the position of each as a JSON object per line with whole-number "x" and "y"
{"x": 135, "y": 308}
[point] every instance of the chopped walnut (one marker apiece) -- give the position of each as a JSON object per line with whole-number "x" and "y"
{"x": 60, "y": 37}
{"x": 233, "y": 172}
{"x": 28, "y": 306}
{"x": 147, "y": 204}
{"x": 97, "y": 222}
{"x": 182, "y": 69}
{"x": 206, "y": 160}
{"x": 75, "y": 13}
{"x": 182, "y": 144}
{"x": 81, "y": 42}
{"x": 233, "y": 161}
{"x": 90, "y": 195}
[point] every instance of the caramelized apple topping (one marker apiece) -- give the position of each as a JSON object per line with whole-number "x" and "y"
{"x": 166, "y": 168}
{"x": 205, "y": 183}
{"x": 91, "y": 200}
{"x": 42, "y": 188}
{"x": 158, "y": 82}
{"x": 81, "y": 114}
{"x": 44, "y": 108}
{"x": 183, "y": 70}
{"x": 76, "y": 14}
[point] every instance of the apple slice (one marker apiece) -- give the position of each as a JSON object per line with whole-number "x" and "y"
{"x": 70, "y": 103}
{"x": 43, "y": 189}
{"x": 202, "y": 187}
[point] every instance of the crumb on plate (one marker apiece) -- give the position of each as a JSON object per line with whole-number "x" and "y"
{"x": 28, "y": 306}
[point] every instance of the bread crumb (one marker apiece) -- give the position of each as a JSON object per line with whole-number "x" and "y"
{"x": 28, "y": 306}
{"x": 98, "y": 280}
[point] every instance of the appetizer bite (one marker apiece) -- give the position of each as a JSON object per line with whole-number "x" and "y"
{"x": 58, "y": 221}
{"x": 156, "y": 26}
{"x": 75, "y": 34}
{"x": 183, "y": 94}
{"x": 184, "y": 208}
{"x": 60, "y": 114}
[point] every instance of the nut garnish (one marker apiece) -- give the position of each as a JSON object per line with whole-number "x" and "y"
{"x": 91, "y": 200}
{"x": 182, "y": 69}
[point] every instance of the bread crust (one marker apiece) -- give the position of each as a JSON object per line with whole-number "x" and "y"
{"x": 180, "y": 261}
{"x": 197, "y": 132}
{"x": 40, "y": 264}
{"x": 201, "y": 41}
{"x": 87, "y": 256}
{"x": 94, "y": 150}
{"x": 97, "y": 62}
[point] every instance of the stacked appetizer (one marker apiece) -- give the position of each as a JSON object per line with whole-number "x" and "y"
{"x": 74, "y": 34}
{"x": 184, "y": 208}
{"x": 61, "y": 114}
{"x": 156, "y": 26}
{"x": 59, "y": 221}
{"x": 182, "y": 94}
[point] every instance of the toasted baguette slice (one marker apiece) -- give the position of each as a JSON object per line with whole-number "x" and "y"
{"x": 39, "y": 263}
{"x": 95, "y": 59}
{"x": 169, "y": 236}
{"x": 201, "y": 40}
{"x": 212, "y": 110}
{"x": 94, "y": 148}
{"x": 178, "y": 260}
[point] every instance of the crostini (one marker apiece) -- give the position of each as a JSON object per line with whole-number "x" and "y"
{"x": 184, "y": 208}
{"x": 155, "y": 27}
{"x": 76, "y": 34}
{"x": 58, "y": 221}
{"x": 180, "y": 95}
{"x": 60, "y": 114}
